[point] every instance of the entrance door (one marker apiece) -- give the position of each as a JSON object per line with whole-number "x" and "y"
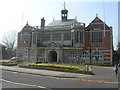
{"x": 53, "y": 56}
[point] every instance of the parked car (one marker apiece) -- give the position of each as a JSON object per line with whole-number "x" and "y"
{"x": 37, "y": 62}
{"x": 13, "y": 58}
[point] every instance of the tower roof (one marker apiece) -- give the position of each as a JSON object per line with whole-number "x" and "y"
{"x": 64, "y": 10}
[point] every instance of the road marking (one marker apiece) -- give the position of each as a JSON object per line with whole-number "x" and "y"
{"x": 25, "y": 84}
{"x": 98, "y": 81}
{"x": 41, "y": 86}
{"x": 6, "y": 81}
{"x": 60, "y": 78}
{"x": 14, "y": 72}
{"x": 112, "y": 82}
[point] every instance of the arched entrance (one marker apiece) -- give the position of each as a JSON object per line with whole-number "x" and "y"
{"x": 52, "y": 56}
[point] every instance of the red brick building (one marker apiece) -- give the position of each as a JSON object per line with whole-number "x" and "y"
{"x": 99, "y": 40}
{"x": 66, "y": 41}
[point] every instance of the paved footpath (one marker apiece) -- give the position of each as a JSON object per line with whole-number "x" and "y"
{"x": 104, "y": 73}
{"x": 100, "y": 73}
{"x": 43, "y": 72}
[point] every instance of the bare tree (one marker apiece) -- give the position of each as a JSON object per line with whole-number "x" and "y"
{"x": 118, "y": 46}
{"x": 9, "y": 40}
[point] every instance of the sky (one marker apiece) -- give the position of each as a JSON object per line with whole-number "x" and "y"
{"x": 119, "y": 22}
{"x": 14, "y": 14}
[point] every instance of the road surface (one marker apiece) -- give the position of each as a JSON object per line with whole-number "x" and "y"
{"x": 22, "y": 80}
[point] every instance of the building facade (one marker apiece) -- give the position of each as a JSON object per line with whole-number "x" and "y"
{"x": 66, "y": 41}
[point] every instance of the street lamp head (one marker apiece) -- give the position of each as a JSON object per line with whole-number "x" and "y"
{"x": 72, "y": 30}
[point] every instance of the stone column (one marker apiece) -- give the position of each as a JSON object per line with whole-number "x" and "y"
{"x": 46, "y": 55}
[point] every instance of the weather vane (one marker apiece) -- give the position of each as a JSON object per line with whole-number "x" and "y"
{"x": 64, "y": 5}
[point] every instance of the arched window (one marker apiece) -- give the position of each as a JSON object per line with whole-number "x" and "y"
{"x": 72, "y": 55}
{"x": 84, "y": 55}
{"x": 97, "y": 54}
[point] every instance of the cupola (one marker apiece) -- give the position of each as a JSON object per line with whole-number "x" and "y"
{"x": 64, "y": 13}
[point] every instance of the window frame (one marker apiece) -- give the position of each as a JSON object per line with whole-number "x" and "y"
{"x": 84, "y": 55}
{"x": 98, "y": 37}
{"x": 72, "y": 55}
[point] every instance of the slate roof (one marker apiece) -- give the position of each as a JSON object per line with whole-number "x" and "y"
{"x": 97, "y": 23}
{"x": 27, "y": 28}
{"x": 62, "y": 23}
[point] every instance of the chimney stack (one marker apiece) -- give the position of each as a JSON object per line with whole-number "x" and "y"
{"x": 42, "y": 22}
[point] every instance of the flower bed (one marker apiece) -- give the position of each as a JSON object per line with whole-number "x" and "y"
{"x": 56, "y": 67}
{"x": 8, "y": 63}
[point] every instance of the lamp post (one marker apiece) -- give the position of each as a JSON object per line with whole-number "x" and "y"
{"x": 90, "y": 54}
{"x": 28, "y": 54}
{"x": 89, "y": 44}
{"x": 29, "y": 44}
